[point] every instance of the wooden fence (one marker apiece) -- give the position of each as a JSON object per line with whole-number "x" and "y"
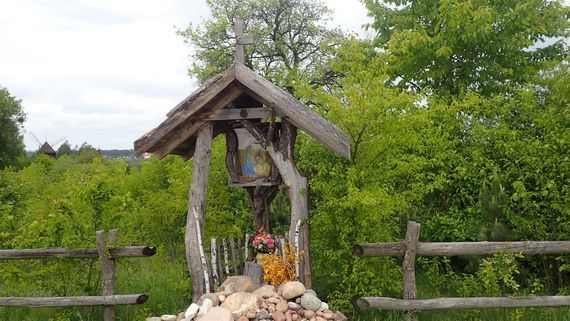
{"x": 107, "y": 254}
{"x": 228, "y": 255}
{"x": 412, "y": 247}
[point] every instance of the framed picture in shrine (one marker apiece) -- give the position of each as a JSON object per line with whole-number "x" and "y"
{"x": 252, "y": 164}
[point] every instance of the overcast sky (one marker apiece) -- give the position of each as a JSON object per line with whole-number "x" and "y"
{"x": 104, "y": 72}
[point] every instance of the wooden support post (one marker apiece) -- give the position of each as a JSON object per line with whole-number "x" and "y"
{"x": 107, "y": 270}
{"x": 196, "y": 259}
{"x": 234, "y": 255}
{"x": 411, "y": 246}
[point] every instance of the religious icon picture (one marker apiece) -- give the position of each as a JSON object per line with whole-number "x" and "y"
{"x": 253, "y": 160}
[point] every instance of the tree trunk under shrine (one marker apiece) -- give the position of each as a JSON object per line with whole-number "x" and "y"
{"x": 283, "y": 157}
{"x": 261, "y": 198}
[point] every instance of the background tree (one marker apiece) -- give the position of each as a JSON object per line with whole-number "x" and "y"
{"x": 291, "y": 38}
{"x": 64, "y": 149}
{"x": 12, "y": 118}
{"x": 452, "y": 46}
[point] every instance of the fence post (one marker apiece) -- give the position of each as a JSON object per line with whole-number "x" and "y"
{"x": 234, "y": 256}
{"x": 107, "y": 269}
{"x": 411, "y": 247}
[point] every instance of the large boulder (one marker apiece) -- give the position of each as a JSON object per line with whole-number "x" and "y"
{"x": 292, "y": 289}
{"x": 235, "y": 301}
{"x": 217, "y": 314}
{"x": 238, "y": 283}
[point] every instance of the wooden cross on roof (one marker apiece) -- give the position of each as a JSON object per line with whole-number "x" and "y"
{"x": 241, "y": 40}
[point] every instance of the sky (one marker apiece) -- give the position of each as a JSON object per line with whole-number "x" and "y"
{"x": 105, "y": 71}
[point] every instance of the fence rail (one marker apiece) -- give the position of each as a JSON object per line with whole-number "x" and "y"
{"x": 411, "y": 247}
{"x": 107, "y": 254}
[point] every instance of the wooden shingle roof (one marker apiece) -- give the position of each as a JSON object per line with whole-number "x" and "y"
{"x": 177, "y": 134}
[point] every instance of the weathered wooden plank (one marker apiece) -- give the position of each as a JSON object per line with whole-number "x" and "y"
{"x": 240, "y": 113}
{"x": 409, "y": 265}
{"x": 196, "y": 259}
{"x": 254, "y": 271}
{"x": 464, "y": 248}
{"x": 46, "y": 253}
{"x": 156, "y": 137}
{"x": 240, "y": 261}
{"x": 234, "y": 255}
{"x": 219, "y": 259}
{"x": 107, "y": 269}
{"x": 302, "y": 117}
{"x": 69, "y": 301}
{"x": 462, "y": 303}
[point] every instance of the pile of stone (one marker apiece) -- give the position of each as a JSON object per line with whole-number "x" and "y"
{"x": 240, "y": 300}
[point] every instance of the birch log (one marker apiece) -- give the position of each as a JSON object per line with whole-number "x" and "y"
{"x": 196, "y": 259}
{"x": 214, "y": 261}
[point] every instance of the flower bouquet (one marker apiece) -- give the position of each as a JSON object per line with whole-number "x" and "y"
{"x": 263, "y": 243}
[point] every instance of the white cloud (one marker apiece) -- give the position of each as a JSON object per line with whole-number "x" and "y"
{"x": 102, "y": 71}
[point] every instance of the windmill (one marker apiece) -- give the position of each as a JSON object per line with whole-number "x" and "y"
{"x": 46, "y": 148}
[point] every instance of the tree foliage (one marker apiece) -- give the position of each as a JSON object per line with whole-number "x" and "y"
{"x": 453, "y": 46}
{"x": 12, "y": 118}
{"x": 291, "y": 39}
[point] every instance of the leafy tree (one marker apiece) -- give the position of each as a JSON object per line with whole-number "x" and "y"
{"x": 64, "y": 149}
{"x": 452, "y": 46}
{"x": 12, "y": 118}
{"x": 291, "y": 39}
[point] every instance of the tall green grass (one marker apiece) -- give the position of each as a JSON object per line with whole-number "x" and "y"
{"x": 164, "y": 279}
{"x": 166, "y": 282}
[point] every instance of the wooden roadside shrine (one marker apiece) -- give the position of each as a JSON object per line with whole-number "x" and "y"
{"x": 260, "y": 122}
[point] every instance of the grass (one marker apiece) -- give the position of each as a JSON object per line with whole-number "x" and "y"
{"x": 166, "y": 282}
{"x": 163, "y": 279}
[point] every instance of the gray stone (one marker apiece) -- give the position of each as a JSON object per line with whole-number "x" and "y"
{"x": 310, "y": 302}
{"x": 153, "y": 319}
{"x": 311, "y": 292}
{"x": 263, "y": 314}
{"x": 168, "y": 317}
{"x": 324, "y": 306}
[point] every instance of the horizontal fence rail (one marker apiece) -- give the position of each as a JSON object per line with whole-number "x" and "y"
{"x": 106, "y": 252}
{"x": 411, "y": 248}
{"x": 116, "y": 253}
{"x": 71, "y": 301}
{"x": 463, "y": 303}
{"x": 464, "y": 248}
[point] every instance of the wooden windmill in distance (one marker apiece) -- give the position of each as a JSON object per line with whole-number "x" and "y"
{"x": 45, "y": 147}
{"x": 260, "y": 122}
